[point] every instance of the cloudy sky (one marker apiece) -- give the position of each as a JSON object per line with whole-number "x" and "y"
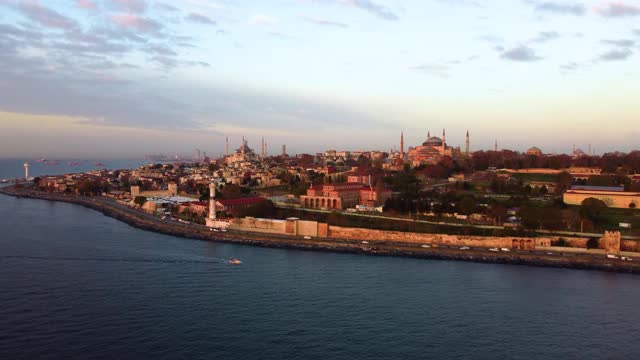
{"x": 122, "y": 78}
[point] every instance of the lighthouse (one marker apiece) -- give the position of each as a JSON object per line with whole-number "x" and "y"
{"x": 212, "y": 201}
{"x": 26, "y": 171}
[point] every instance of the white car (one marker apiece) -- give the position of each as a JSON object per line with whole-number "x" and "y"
{"x": 465, "y": 248}
{"x": 307, "y": 237}
{"x": 223, "y": 230}
{"x": 426, "y": 246}
{"x": 505, "y": 249}
{"x": 611, "y": 256}
{"x": 494, "y": 249}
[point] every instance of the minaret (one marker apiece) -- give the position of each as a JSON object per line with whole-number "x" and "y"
{"x": 428, "y": 134}
{"x": 402, "y": 145}
{"x": 444, "y": 139}
{"x": 26, "y": 171}
{"x": 262, "y": 149}
{"x": 212, "y": 201}
{"x": 227, "y": 149}
{"x": 284, "y": 150}
{"x": 265, "y": 149}
{"x": 495, "y": 146}
{"x": 244, "y": 142}
{"x": 466, "y": 145}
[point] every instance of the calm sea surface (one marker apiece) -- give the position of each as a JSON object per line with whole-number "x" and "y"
{"x": 77, "y": 284}
{"x": 14, "y": 168}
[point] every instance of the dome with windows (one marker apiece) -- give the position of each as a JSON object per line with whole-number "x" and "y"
{"x": 433, "y": 141}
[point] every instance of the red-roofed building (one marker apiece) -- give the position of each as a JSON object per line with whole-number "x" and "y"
{"x": 234, "y": 205}
{"x": 341, "y": 196}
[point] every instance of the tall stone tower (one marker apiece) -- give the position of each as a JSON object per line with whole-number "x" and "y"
{"x": 444, "y": 141}
{"x": 402, "y": 145}
{"x": 284, "y": 150}
{"x": 466, "y": 145}
{"x": 495, "y": 146}
{"x": 227, "y": 147}
{"x": 26, "y": 170}
{"x": 212, "y": 201}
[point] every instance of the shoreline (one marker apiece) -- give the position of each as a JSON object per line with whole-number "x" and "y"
{"x": 148, "y": 222}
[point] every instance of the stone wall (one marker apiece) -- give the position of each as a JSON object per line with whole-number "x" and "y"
{"x": 612, "y": 242}
{"x": 307, "y": 228}
{"x": 259, "y": 225}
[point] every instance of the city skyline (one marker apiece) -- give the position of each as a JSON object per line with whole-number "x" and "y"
{"x": 121, "y": 78}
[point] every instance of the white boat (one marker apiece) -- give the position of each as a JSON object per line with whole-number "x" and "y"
{"x": 235, "y": 261}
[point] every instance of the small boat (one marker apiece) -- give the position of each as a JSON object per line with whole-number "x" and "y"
{"x": 235, "y": 261}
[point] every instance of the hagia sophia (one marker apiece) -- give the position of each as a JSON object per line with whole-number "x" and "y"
{"x": 432, "y": 150}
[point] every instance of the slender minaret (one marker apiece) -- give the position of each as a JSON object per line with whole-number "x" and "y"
{"x": 262, "y": 149}
{"x": 428, "y": 134}
{"x": 444, "y": 139}
{"x": 212, "y": 201}
{"x": 244, "y": 142}
{"x": 495, "y": 146}
{"x": 466, "y": 145}
{"x": 227, "y": 149}
{"x": 26, "y": 171}
{"x": 284, "y": 150}
{"x": 266, "y": 151}
{"x": 402, "y": 145}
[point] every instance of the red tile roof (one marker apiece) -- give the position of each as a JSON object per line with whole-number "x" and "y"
{"x": 241, "y": 201}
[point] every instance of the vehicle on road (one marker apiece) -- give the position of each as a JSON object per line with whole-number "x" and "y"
{"x": 610, "y": 256}
{"x": 494, "y": 249}
{"x": 426, "y": 246}
{"x": 465, "y": 248}
{"x": 307, "y": 237}
{"x": 505, "y": 250}
{"x": 365, "y": 242}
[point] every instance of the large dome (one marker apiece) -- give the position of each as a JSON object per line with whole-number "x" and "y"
{"x": 244, "y": 148}
{"x": 433, "y": 141}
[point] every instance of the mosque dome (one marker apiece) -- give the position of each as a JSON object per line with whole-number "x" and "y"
{"x": 244, "y": 148}
{"x": 433, "y": 141}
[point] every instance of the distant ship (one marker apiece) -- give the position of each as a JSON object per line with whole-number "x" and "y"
{"x": 52, "y": 163}
{"x": 43, "y": 160}
{"x": 98, "y": 163}
{"x": 235, "y": 261}
{"x": 73, "y": 163}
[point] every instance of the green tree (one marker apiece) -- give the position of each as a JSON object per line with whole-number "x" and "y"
{"x": 467, "y": 205}
{"x": 592, "y": 243}
{"x": 140, "y": 200}
{"x": 592, "y": 209}
{"x": 564, "y": 180}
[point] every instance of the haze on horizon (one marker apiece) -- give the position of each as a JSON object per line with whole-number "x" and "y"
{"x": 121, "y": 78}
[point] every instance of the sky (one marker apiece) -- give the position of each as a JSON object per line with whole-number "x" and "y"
{"x": 124, "y": 78}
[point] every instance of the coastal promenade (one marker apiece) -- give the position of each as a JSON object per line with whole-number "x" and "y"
{"x": 146, "y": 221}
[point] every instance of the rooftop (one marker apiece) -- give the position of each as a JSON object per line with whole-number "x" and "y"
{"x": 598, "y": 188}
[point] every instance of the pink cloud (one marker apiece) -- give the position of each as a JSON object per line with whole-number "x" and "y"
{"x": 617, "y": 9}
{"x": 136, "y": 22}
{"x": 86, "y": 4}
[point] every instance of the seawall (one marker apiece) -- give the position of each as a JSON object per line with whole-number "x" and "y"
{"x": 380, "y": 247}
